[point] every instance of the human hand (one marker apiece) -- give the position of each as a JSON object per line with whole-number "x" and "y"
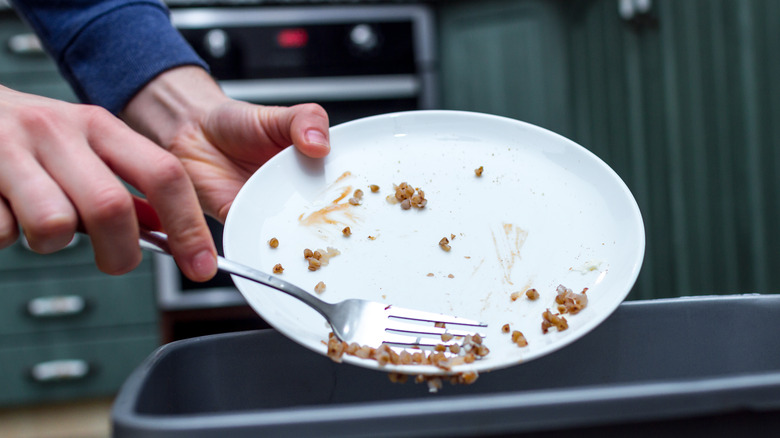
{"x": 58, "y": 167}
{"x": 220, "y": 141}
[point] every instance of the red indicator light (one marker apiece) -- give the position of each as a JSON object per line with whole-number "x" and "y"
{"x": 292, "y": 38}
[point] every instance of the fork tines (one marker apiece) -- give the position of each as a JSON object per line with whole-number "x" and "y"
{"x": 413, "y": 327}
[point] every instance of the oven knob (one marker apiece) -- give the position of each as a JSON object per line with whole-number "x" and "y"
{"x": 216, "y": 42}
{"x": 364, "y": 38}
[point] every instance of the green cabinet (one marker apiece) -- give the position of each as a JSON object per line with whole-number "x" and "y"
{"x": 682, "y": 101}
{"x": 68, "y": 330}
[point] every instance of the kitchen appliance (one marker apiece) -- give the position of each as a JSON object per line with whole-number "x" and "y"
{"x": 354, "y": 60}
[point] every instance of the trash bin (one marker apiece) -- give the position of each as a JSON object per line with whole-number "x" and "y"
{"x": 687, "y": 365}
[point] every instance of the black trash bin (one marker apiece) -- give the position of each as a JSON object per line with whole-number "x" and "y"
{"x": 705, "y": 365}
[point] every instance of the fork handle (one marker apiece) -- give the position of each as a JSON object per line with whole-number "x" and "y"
{"x": 158, "y": 242}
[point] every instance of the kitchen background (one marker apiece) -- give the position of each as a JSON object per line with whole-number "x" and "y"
{"x": 680, "y": 98}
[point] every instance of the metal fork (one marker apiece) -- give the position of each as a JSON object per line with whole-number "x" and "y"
{"x": 364, "y": 322}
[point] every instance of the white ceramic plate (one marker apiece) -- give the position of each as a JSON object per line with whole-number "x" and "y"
{"x": 545, "y": 212}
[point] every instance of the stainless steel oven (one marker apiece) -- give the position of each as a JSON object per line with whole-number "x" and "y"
{"x": 354, "y": 60}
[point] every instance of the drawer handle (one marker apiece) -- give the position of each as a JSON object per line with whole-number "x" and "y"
{"x": 56, "y": 306}
{"x": 60, "y": 370}
{"x": 25, "y": 44}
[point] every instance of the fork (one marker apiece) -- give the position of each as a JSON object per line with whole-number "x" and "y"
{"x": 363, "y": 322}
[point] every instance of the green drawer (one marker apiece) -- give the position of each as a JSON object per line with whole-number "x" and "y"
{"x": 18, "y": 256}
{"x": 41, "y": 373}
{"x": 77, "y": 301}
{"x": 47, "y": 83}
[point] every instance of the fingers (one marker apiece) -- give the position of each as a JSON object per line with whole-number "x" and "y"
{"x": 309, "y": 129}
{"x": 168, "y": 189}
{"x": 103, "y": 205}
{"x": 9, "y": 231}
{"x": 41, "y": 207}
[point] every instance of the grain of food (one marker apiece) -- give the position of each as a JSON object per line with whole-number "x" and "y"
{"x": 357, "y": 197}
{"x": 570, "y": 302}
{"x": 434, "y": 384}
{"x": 319, "y": 288}
{"x": 278, "y": 269}
{"x": 347, "y": 231}
{"x": 274, "y": 242}
{"x": 519, "y": 339}
{"x": 505, "y": 328}
{"x": 374, "y": 188}
{"x": 441, "y": 356}
{"x": 468, "y": 378}
{"x": 550, "y": 320}
{"x": 515, "y": 296}
{"x": 444, "y": 244}
{"x": 408, "y": 196}
{"x": 398, "y": 377}
{"x": 532, "y": 294}
{"x": 478, "y": 171}
{"x": 320, "y": 257}
{"x": 314, "y": 264}
{"x": 336, "y": 348}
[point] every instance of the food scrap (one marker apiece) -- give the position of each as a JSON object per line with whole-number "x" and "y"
{"x": 278, "y": 269}
{"x": 405, "y": 194}
{"x": 478, "y": 171}
{"x": 444, "y": 243}
{"x": 357, "y": 197}
{"x": 443, "y": 356}
{"x": 570, "y": 302}
{"x": 550, "y": 319}
{"x": 346, "y": 232}
{"x": 319, "y": 258}
{"x": 532, "y": 294}
{"x": 374, "y": 188}
{"x": 273, "y": 243}
{"x": 519, "y": 339}
{"x": 319, "y": 288}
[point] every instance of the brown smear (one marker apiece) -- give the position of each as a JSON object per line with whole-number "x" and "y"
{"x": 324, "y": 214}
{"x": 513, "y": 239}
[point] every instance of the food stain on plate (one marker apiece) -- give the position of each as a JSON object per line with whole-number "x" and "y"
{"x": 340, "y": 206}
{"x": 508, "y": 243}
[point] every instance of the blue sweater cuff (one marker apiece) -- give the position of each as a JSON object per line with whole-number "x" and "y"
{"x": 120, "y": 51}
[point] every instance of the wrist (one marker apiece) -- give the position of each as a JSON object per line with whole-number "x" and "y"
{"x": 172, "y": 103}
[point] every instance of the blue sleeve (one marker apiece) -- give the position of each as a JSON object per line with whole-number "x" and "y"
{"x": 108, "y": 50}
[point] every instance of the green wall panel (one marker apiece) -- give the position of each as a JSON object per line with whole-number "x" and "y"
{"x": 684, "y": 104}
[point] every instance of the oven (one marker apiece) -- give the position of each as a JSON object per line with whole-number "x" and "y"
{"x": 354, "y": 60}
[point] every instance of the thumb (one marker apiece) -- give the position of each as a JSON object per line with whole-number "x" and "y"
{"x": 308, "y": 128}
